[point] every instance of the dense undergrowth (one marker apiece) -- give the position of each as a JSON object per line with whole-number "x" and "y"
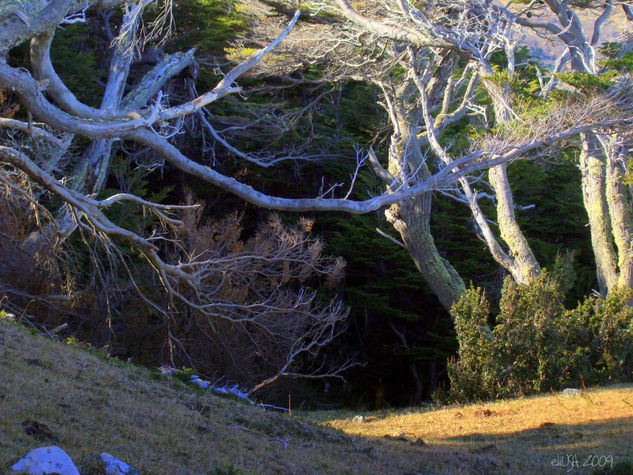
{"x": 535, "y": 344}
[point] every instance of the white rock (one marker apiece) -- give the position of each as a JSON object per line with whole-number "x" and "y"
{"x": 46, "y": 460}
{"x": 114, "y": 466}
{"x": 571, "y": 392}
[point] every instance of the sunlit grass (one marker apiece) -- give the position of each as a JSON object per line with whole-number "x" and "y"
{"x": 525, "y": 434}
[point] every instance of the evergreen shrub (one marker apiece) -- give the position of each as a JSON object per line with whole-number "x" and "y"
{"x": 535, "y": 344}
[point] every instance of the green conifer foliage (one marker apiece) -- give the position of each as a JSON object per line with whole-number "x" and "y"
{"x": 206, "y": 25}
{"x": 388, "y": 296}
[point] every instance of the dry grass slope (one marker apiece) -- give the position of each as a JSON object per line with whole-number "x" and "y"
{"x": 89, "y": 405}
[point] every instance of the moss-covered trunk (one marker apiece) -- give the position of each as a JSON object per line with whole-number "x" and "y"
{"x": 524, "y": 266}
{"x": 412, "y": 218}
{"x": 621, "y": 213}
{"x": 592, "y": 167}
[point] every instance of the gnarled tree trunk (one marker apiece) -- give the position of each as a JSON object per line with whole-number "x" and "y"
{"x": 411, "y": 218}
{"x": 620, "y": 204}
{"x": 606, "y": 199}
{"x": 592, "y": 167}
{"x": 523, "y": 264}
{"x": 91, "y": 171}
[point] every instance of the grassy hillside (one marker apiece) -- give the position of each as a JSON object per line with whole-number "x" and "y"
{"x": 87, "y": 405}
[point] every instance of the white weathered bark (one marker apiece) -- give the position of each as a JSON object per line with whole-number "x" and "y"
{"x": 21, "y": 20}
{"x": 592, "y": 167}
{"x": 92, "y": 169}
{"x": 524, "y": 264}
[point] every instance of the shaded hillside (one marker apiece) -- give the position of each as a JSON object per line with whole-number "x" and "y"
{"x": 161, "y": 426}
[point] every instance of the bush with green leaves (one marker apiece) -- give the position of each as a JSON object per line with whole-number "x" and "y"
{"x": 535, "y": 344}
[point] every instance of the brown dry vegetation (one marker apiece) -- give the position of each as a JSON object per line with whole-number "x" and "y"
{"x": 90, "y": 405}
